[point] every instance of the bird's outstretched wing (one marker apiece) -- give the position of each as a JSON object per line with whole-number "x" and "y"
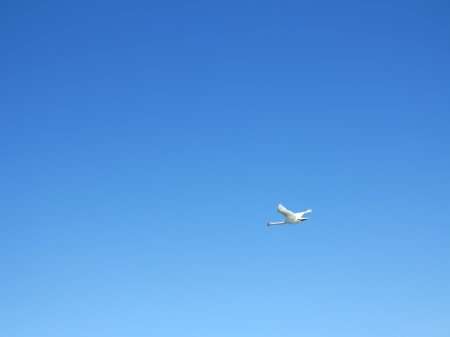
{"x": 284, "y": 211}
{"x": 300, "y": 214}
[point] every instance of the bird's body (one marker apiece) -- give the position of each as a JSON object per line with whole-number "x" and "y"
{"x": 291, "y": 217}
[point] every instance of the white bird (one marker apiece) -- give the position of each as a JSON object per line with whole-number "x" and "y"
{"x": 291, "y": 217}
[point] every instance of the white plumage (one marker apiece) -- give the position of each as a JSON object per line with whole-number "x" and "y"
{"x": 291, "y": 217}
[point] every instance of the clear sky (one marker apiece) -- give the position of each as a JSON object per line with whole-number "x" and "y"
{"x": 146, "y": 144}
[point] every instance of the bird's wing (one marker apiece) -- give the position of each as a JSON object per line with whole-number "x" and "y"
{"x": 300, "y": 214}
{"x": 285, "y": 211}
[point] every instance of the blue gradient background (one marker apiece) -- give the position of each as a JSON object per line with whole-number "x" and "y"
{"x": 145, "y": 145}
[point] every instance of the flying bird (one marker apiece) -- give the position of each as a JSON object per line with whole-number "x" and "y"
{"x": 291, "y": 217}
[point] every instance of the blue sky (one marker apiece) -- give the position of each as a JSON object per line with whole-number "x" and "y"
{"x": 145, "y": 145}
